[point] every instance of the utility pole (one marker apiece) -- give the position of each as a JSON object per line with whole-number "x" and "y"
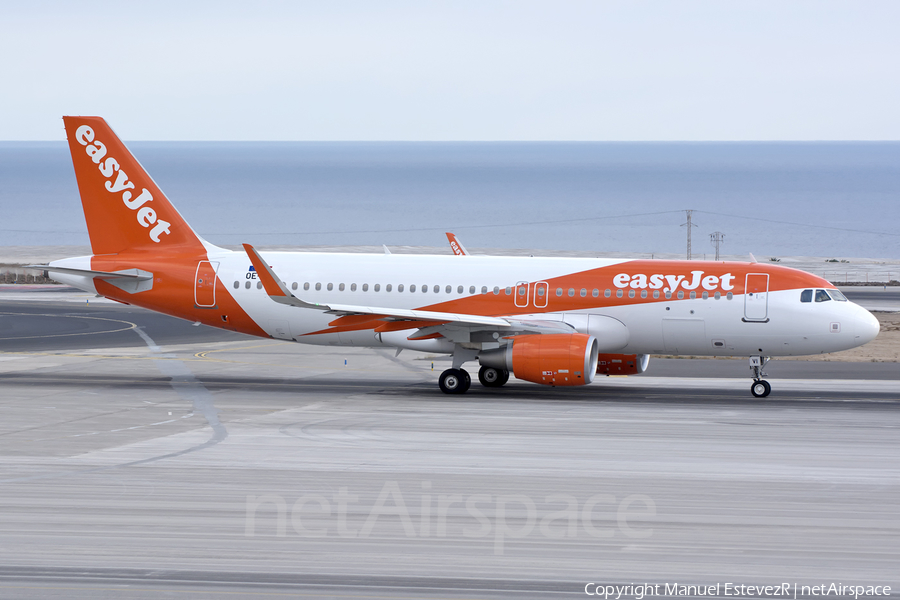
{"x": 689, "y": 225}
{"x": 716, "y": 238}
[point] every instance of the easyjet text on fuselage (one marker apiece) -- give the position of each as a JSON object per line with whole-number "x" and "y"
{"x": 658, "y": 281}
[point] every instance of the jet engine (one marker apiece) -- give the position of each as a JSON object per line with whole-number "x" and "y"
{"x": 622, "y": 364}
{"x": 551, "y": 359}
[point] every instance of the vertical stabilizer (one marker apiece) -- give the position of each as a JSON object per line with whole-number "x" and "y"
{"x": 124, "y": 209}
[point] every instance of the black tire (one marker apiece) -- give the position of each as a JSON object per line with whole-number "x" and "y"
{"x": 467, "y": 381}
{"x": 760, "y": 388}
{"x": 491, "y": 377}
{"x": 454, "y": 381}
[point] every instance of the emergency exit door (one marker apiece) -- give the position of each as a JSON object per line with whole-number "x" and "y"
{"x": 756, "y": 297}
{"x": 205, "y": 284}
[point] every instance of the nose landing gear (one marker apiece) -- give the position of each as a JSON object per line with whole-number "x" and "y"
{"x": 760, "y": 388}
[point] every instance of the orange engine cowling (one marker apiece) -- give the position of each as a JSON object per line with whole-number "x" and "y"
{"x": 622, "y": 364}
{"x": 552, "y": 359}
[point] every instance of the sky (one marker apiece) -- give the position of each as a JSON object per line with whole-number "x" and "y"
{"x": 481, "y": 70}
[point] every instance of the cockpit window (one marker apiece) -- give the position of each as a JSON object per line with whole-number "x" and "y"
{"x": 806, "y": 296}
{"x": 837, "y": 295}
{"x": 822, "y": 296}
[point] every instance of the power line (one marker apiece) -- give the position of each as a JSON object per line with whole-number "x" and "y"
{"x": 441, "y": 228}
{"x": 709, "y": 212}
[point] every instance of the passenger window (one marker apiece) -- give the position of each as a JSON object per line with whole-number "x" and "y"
{"x": 437, "y": 289}
{"x": 496, "y": 290}
{"x": 330, "y": 286}
{"x": 822, "y": 296}
{"x": 399, "y": 288}
{"x": 559, "y": 291}
{"x": 341, "y": 287}
{"x": 806, "y": 296}
{"x": 619, "y": 293}
{"x": 595, "y": 293}
{"x": 571, "y": 292}
{"x": 318, "y": 287}
{"x": 294, "y": 286}
{"x": 471, "y": 289}
{"x": 459, "y": 289}
{"x": 377, "y": 287}
{"x": 607, "y": 294}
{"x": 352, "y": 287}
{"x": 412, "y": 288}
{"x": 583, "y": 293}
{"x": 484, "y": 289}
{"x": 387, "y": 288}
{"x": 365, "y": 287}
{"x": 509, "y": 290}
{"x": 306, "y": 286}
{"x": 247, "y": 285}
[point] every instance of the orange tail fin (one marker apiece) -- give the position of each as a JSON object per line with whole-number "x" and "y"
{"x": 124, "y": 209}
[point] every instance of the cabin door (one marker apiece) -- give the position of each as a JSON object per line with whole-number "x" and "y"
{"x": 205, "y": 284}
{"x": 756, "y": 297}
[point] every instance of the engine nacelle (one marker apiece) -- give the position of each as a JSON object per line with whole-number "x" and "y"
{"x": 552, "y": 359}
{"x": 622, "y": 364}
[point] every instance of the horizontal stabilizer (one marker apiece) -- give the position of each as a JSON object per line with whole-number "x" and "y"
{"x": 135, "y": 274}
{"x": 127, "y": 280}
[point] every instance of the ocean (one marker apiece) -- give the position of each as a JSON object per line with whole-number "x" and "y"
{"x": 780, "y": 198}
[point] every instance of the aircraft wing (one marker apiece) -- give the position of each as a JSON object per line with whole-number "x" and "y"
{"x": 279, "y": 292}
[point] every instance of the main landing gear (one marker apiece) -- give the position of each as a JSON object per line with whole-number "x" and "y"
{"x": 458, "y": 381}
{"x": 760, "y": 388}
{"x": 491, "y": 377}
{"x": 455, "y": 381}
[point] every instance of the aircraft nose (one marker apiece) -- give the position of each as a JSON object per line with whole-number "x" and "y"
{"x": 867, "y": 326}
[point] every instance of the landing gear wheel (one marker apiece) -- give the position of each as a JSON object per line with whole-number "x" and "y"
{"x": 491, "y": 377}
{"x": 760, "y": 388}
{"x": 454, "y": 381}
{"x": 467, "y": 381}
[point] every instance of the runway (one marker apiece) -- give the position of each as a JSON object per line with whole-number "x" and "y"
{"x": 143, "y": 457}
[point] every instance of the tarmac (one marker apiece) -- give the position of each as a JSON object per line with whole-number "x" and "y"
{"x": 143, "y": 457}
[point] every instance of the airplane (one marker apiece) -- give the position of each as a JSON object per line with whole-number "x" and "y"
{"x": 456, "y": 245}
{"x": 551, "y": 321}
